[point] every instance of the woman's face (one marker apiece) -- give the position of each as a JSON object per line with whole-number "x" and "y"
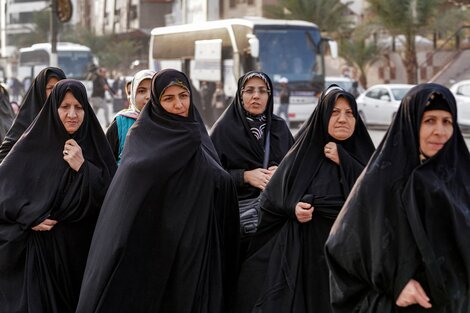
{"x": 142, "y": 94}
{"x": 342, "y": 121}
{"x": 176, "y": 100}
{"x": 50, "y": 84}
{"x": 255, "y": 96}
{"x": 435, "y": 130}
{"x": 71, "y": 113}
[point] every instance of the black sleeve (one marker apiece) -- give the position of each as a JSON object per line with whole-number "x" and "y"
{"x": 113, "y": 138}
{"x": 237, "y": 176}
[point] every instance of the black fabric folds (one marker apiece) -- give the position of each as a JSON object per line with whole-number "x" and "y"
{"x": 167, "y": 236}
{"x": 406, "y": 219}
{"x": 41, "y": 271}
{"x": 31, "y": 104}
{"x": 6, "y": 112}
{"x": 285, "y": 270}
{"x": 236, "y": 146}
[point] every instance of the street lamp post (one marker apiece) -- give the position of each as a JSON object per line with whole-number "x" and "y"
{"x": 53, "y": 26}
{"x": 3, "y": 26}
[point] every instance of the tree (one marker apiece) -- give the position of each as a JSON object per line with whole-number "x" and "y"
{"x": 408, "y": 18}
{"x": 360, "y": 52}
{"x": 329, "y": 15}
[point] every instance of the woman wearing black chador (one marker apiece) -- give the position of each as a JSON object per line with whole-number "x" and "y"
{"x": 52, "y": 185}
{"x": 401, "y": 242}
{"x": 167, "y": 236}
{"x": 285, "y": 270}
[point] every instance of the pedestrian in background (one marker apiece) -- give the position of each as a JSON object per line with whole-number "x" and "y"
{"x": 16, "y": 89}
{"x": 6, "y": 112}
{"x": 167, "y": 236}
{"x": 52, "y": 185}
{"x": 98, "y": 95}
{"x": 285, "y": 268}
{"x": 139, "y": 96}
{"x": 284, "y": 99}
{"x": 218, "y": 101}
{"x": 206, "y": 91}
{"x": 119, "y": 87}
{"x": 31, "y": 104}
{"x": 401, "y": 242}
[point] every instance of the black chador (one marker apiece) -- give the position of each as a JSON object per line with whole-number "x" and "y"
{"x": 167, "y": 236}
{"x": 406, "y": 218}
{"x": 41, "y": 271}
{"x": 285, "y": 270}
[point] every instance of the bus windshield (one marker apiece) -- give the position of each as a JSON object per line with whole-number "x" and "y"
{"x": 75, "y": 63}
{"x": 290, "y": 53}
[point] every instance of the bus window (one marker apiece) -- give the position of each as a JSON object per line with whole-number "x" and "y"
{"x": 278, "y": 59}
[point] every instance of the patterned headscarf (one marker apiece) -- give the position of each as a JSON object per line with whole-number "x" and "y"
{"x": 256, "y": 123}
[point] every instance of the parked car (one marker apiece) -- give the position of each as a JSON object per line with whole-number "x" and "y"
{"x": 461, "y": 91}
{"x": 379, "y": 104}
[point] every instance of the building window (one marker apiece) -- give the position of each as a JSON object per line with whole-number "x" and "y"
{"x": 133, "y": 12}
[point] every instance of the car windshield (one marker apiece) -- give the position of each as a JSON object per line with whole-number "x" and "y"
{"x": 278, "y": 59}
{"x": 399, "y": 93}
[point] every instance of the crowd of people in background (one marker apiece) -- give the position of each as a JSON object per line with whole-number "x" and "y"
{"x": 200, "y": 202}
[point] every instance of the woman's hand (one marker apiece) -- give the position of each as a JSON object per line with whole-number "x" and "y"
{"x": 272, "y": 169}
{"x": 304, "y": 212}
{"x": 73, "y": 154}
{"x": 331, "y": 152}
{"x": 259, "y": 177}
{"x": 413, "y": 293}
{"x": 46, "y": 225}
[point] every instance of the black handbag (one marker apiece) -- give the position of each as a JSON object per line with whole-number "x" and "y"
{"x": 249, "y": 208}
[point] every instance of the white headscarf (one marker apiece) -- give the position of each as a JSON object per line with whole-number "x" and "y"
{"x": 133, "y": 111}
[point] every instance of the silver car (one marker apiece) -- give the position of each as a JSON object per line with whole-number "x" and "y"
{"x": 461, "y": 91}
{"x": 379, "y": 104}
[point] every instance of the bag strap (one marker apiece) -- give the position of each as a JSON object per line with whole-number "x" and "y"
{"x": 267, "y": 147}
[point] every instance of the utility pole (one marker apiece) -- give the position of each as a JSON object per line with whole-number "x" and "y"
{"x": 53, "y": 26}
{"x": 3, "y": 26}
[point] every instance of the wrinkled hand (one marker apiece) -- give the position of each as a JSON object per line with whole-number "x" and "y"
{"x": 304, "y": 212}
{"x": 331, "y": 152}
{"x": 259, "y": 177}
{"x": 73, "y": 154}
{"x": 413, "y": 293}
{"x": 45, "y": 225}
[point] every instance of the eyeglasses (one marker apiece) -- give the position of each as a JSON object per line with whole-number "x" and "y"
{"x": 262, "y": 91}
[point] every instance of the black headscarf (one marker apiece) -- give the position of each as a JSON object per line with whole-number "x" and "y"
{"x": 273, "y": 266}
{"x": 167, "y": 236}
{"x": 406, "y": 218}
{"x": 31, "y": 104}
{"x": 6, "y": 112}
{"x": 235, "y": 143}
{"x": 43, "y": 270}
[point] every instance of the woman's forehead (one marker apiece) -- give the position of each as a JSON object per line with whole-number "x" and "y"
{"x": 174, "y": 89}
{"x": 255, "y": 81}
